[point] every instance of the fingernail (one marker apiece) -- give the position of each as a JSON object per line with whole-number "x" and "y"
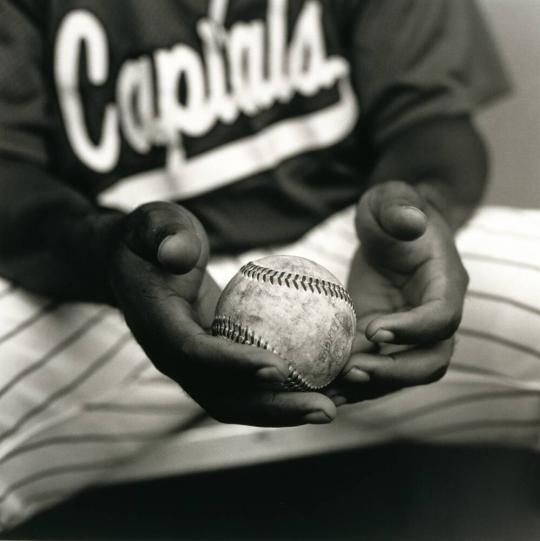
{"x": 357, "y": 375}
{"x": 161, "y": 251}
{"x": 317, "y": 417}
{"x": 338, "y": 400}
{"x": 270, "y": 374}
{"x": 383, "y": 336}
{"x": 415, "y": 211}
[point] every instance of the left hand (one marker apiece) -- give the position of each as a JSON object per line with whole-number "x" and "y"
{"x": 408, "y": 285}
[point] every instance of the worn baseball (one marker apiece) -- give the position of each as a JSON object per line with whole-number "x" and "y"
{"x": 296, "y": 309}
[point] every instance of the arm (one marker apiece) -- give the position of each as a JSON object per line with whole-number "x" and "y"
{"x": 445, "y": 160}
{"x": 53, "y": 240}
{"x": 151, "y": 263}
{"x": 421, "y": 68}
{"x": 407, "y": 278}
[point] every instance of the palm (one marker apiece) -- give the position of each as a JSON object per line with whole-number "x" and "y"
{"x": 168, "y": 300}
{"x": 195, "y": 293}
{"x": 373, "y": 294}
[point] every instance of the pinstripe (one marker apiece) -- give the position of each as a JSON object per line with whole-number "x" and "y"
{"x": 44, "y": 497}
{"x": 134, "y": 409}
{"x": 504, "y": 300}
{"x": 501, "y": 341}
{"x": 435, "y": 407}
{"x": 105, "y": 438}
{"x": 496, "y": 232}
{"x": 28, "y": 322}
{"x": 81, "y": 331}
{"x": 138, "y": 370}
{"x": 97, "y": 437}
{"x": 478, "y": 425}
{"x": 89, "y": 466}
{"x": 455, "y": 406}
{"x": 61, "y": 470}
{"x": 499, "y": 260}
{"x": 84, "y": 439}
{"x": 154, "y": 379}
{"x": 478, "y": 370}
{"x": 454, "y": 367}
{"x": 94, "y": 367}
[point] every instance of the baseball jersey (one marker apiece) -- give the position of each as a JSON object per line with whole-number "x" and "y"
{"x": 263, "y": 117}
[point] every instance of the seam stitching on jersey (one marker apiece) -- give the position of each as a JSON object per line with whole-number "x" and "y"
{"x": 241, "y": 334}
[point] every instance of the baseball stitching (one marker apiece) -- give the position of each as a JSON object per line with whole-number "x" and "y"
{"x": 298, "y": 281}
{"x": 224, "y": 326}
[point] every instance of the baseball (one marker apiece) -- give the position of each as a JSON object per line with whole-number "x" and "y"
{"x": 295, "y": 308}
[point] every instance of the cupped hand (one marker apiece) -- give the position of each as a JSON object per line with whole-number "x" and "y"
{"x": 408, "y": 285}
{"x": 159, "y": 279}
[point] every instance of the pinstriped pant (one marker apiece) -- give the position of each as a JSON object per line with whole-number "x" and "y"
{"x": 81, "y": 405}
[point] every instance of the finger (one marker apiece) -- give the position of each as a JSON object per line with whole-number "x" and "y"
{"x": 179, "y": 252}
{"x": 206, "y": 302}
{"x": 176, "y": 340}
{"x": 415, "y": 366}
{"x": 275, "y": 409}
{"x": 167, "y": 234}
{"x": 361, "y": 344}
{"x": 432, "y": 321}
{"x": 215, "y": 355}
{"x": 438, "y": 314}
{"x": 347, "y": 393}
{"x": 393, "y": 210}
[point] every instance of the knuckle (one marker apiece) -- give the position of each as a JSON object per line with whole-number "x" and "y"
{"x": 463, "y": 276}
{"x": 453, "y": 324}
{"x": 147, "y": 209}
{"x": 396, "y": 185}
{"x": 449, "y": 321}
{"x": 401, "y": 190}
{"x": 442, "y": 362}
{"x": 190, "y": 348}
{"x": 135, "y": 228}
{"x": 142, "y": 215}
{"x": 438, "y": 373}
{"x": 151, "y": 218}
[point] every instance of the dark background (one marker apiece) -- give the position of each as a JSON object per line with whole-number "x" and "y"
{"x": 402, "y": 492}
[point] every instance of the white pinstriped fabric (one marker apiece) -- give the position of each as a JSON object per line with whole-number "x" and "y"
{"x": 79, "y": 402}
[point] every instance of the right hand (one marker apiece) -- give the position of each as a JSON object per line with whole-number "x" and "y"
{"x": 159, "y": 279}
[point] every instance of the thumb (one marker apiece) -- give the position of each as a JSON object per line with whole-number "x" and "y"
{"x": 168, "y": 235}
{"x": 395, "y": 208}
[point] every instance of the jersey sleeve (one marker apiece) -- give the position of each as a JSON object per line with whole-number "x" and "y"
{"x": 414, "y": 60}
{"x": 23, "y": 94}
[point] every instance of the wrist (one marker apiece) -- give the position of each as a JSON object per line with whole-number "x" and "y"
{"x": 438, "y": 195}
{"x": 87, "y": 242}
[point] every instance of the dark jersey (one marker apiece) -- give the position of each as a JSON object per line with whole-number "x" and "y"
{"x": 261, "y": 116}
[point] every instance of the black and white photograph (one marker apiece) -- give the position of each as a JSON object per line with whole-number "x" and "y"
{"x": 270, "y": 270}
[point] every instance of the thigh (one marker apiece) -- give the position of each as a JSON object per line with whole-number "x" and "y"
{"x": 77, "y": 398}
{"x": 64, "y": 424}
{"x": 492, "y": 389}
{"x": 491, "y": 392}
